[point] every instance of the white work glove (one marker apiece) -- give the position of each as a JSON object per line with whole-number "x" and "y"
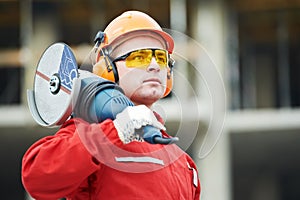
{"x": 133, "y": 118}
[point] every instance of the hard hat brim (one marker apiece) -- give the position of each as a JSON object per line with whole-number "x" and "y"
{"x": 169, "y": 42}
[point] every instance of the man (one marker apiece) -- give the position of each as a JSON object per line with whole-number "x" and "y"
{"x": 109, "y": 160}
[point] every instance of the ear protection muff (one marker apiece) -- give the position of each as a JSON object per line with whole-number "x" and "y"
{"x": 105, "y": 68}
{"x": 169, "y": 85}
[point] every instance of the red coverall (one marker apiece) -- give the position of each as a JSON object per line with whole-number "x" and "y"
{"x": 89, "y": 162}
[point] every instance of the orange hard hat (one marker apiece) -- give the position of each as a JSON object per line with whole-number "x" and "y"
{"x": 134, "y": 21}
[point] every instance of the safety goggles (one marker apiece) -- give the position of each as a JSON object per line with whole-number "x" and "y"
{"x": 142, "y": 58}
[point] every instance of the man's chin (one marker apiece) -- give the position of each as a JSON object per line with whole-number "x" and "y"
{"x": 147, "y": 98}
{"x": 154, "y": 93}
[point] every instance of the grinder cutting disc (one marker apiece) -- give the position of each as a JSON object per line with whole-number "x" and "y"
{"x": 54, "y": 91}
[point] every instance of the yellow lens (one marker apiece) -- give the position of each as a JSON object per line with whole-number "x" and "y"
{"x": 161, "y": 58}
{"x": 140, "y": 58}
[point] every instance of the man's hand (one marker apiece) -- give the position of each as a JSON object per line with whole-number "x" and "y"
{"x": 133, "y": 118}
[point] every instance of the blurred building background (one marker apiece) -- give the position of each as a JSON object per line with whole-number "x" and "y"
{"x": 255, "y": 45}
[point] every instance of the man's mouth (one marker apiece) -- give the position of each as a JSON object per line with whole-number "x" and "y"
{"x": 152, "y": 80}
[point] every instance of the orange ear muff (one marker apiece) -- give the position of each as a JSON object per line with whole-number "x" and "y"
{"x": 169, "y": 85}
{"x": 106, "y": 69}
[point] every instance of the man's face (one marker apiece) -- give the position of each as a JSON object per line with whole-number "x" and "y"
{"x": 142, "y": 85}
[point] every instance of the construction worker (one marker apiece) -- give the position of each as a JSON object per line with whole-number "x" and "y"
{"x": 109, "y": 160}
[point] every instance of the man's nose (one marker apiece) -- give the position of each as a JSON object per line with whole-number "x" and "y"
{"x": 153, "y": 66}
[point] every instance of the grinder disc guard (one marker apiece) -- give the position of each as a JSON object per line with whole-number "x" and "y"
{"x": 54, "y": 91}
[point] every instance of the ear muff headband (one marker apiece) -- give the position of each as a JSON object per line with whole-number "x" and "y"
{"x": 104, "y": 67}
